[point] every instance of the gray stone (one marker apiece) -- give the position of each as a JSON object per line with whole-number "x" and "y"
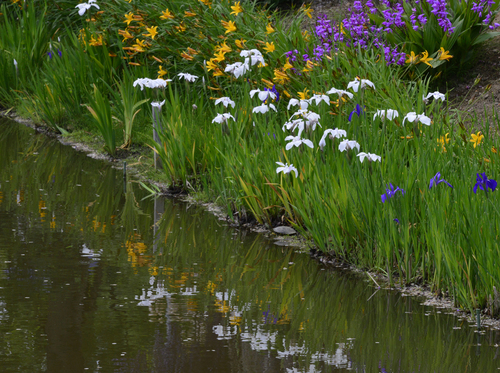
{"x": 284, "y": 230}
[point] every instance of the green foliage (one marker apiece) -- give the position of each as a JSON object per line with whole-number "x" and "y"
{"x": 100, "y": 108}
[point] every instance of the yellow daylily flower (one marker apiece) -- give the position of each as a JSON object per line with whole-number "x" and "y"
{"x": 287, "y": 65}
{"x": 96, "y": 42}
{"x": 181, "y": 27}
{"x": 268, "y": 83}
{"x": 476, "y": 139}
{"x": 223, "y": 48}
{"x": 304, "y": 94}
{"x": 211, "y": 65}
{"x": 240, "y": 43}
{"x": 152, "y": 32}
{"x": 126, "y": 35}
{"x": 207, "y": 3}
{"x": 269, "y": 47}
{"x": 161, "y": 72}
{"x": 186, "y": 56}
{"x": 236, "y": 9}
{"x": 425, "y": 58}
{"x": 307, "y": 10}
{"x": 444, "y": 55}
{"x": 229, "y": 26}
{"x": 269, "y": 29}
{"x": 412, "y": 59}
{"x": 219, "y": 56}
{"x": 218, "y": 72}
{"x": 167, "y": 14}
{"x": 129, "y": 18}
{"x": 306, "y": 35}
{"x": 443, "y": 140}
{"x": 187, "y": 13}
{"x": 280, "y": 76}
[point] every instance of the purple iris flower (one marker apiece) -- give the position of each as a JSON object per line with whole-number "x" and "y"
{"x": 50, "y": 54}
{"x": 358, "y": 111}
{"x": 437, "y": 180}
{"x": 391, "y": 192}
{"x": 275, "y": 91}
{"x": 483, "y": 183}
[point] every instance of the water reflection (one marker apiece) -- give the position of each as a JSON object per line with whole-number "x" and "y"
{"x": 93, "y": 278}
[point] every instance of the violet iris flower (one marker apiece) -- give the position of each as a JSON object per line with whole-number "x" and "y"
{"x": 437, "y": 180}
{"x": 391, "y": 192}
{"x": 483, "y": 183}
{"x": 358, "y": 111}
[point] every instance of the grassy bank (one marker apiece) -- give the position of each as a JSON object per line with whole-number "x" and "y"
{"x": 337, "y": 130}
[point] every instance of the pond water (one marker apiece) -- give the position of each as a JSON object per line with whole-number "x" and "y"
{"x": 97, "y": 277}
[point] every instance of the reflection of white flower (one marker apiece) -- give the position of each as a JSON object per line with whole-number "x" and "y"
{"x": 83, "y": 7}
{"x": 437, "y": 96}
{"x": 356, "y": 83}
{"x": 297, "y": 141}
{"x": 263, "y": 95}
{"x": 157, "y": 104}
{"x": 371, "y": 157}
{"x": 225, "y": 101}
{"x": 422, "y": 118}
{"x": 222, "y": 118}
{"x": 348, "y": 145}
{"x": 263, "y": 108}
{"x": 285, "y": 168}
{"x": 340, "y": 92}
{"x": 151, "y": 83}
{"x": 389, "y": 114}
{"x": 188, "y": 77}
{"x": 336, "y": 133}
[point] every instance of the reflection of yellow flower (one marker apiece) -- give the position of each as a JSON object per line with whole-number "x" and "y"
{"x": 444, "y": 55}
{"x": 235, "y": 320}
{"x": 129, "y": 18}
{"x": 236, "y": 9}
{"x": 269, "y": 47}
{"x": 425, "y": 58}
{"x": 477, "y": 139}
{"x": 151, "y": 32}
{"x": 229, "y": 26}
{"x": 269, "y": 29}
{"x": 167, "y": 14}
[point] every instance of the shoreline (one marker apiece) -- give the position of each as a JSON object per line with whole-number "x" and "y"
{"x": 294, "y": 242}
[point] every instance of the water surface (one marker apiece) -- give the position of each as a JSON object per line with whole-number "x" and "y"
{"x": 96, "y": 277}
